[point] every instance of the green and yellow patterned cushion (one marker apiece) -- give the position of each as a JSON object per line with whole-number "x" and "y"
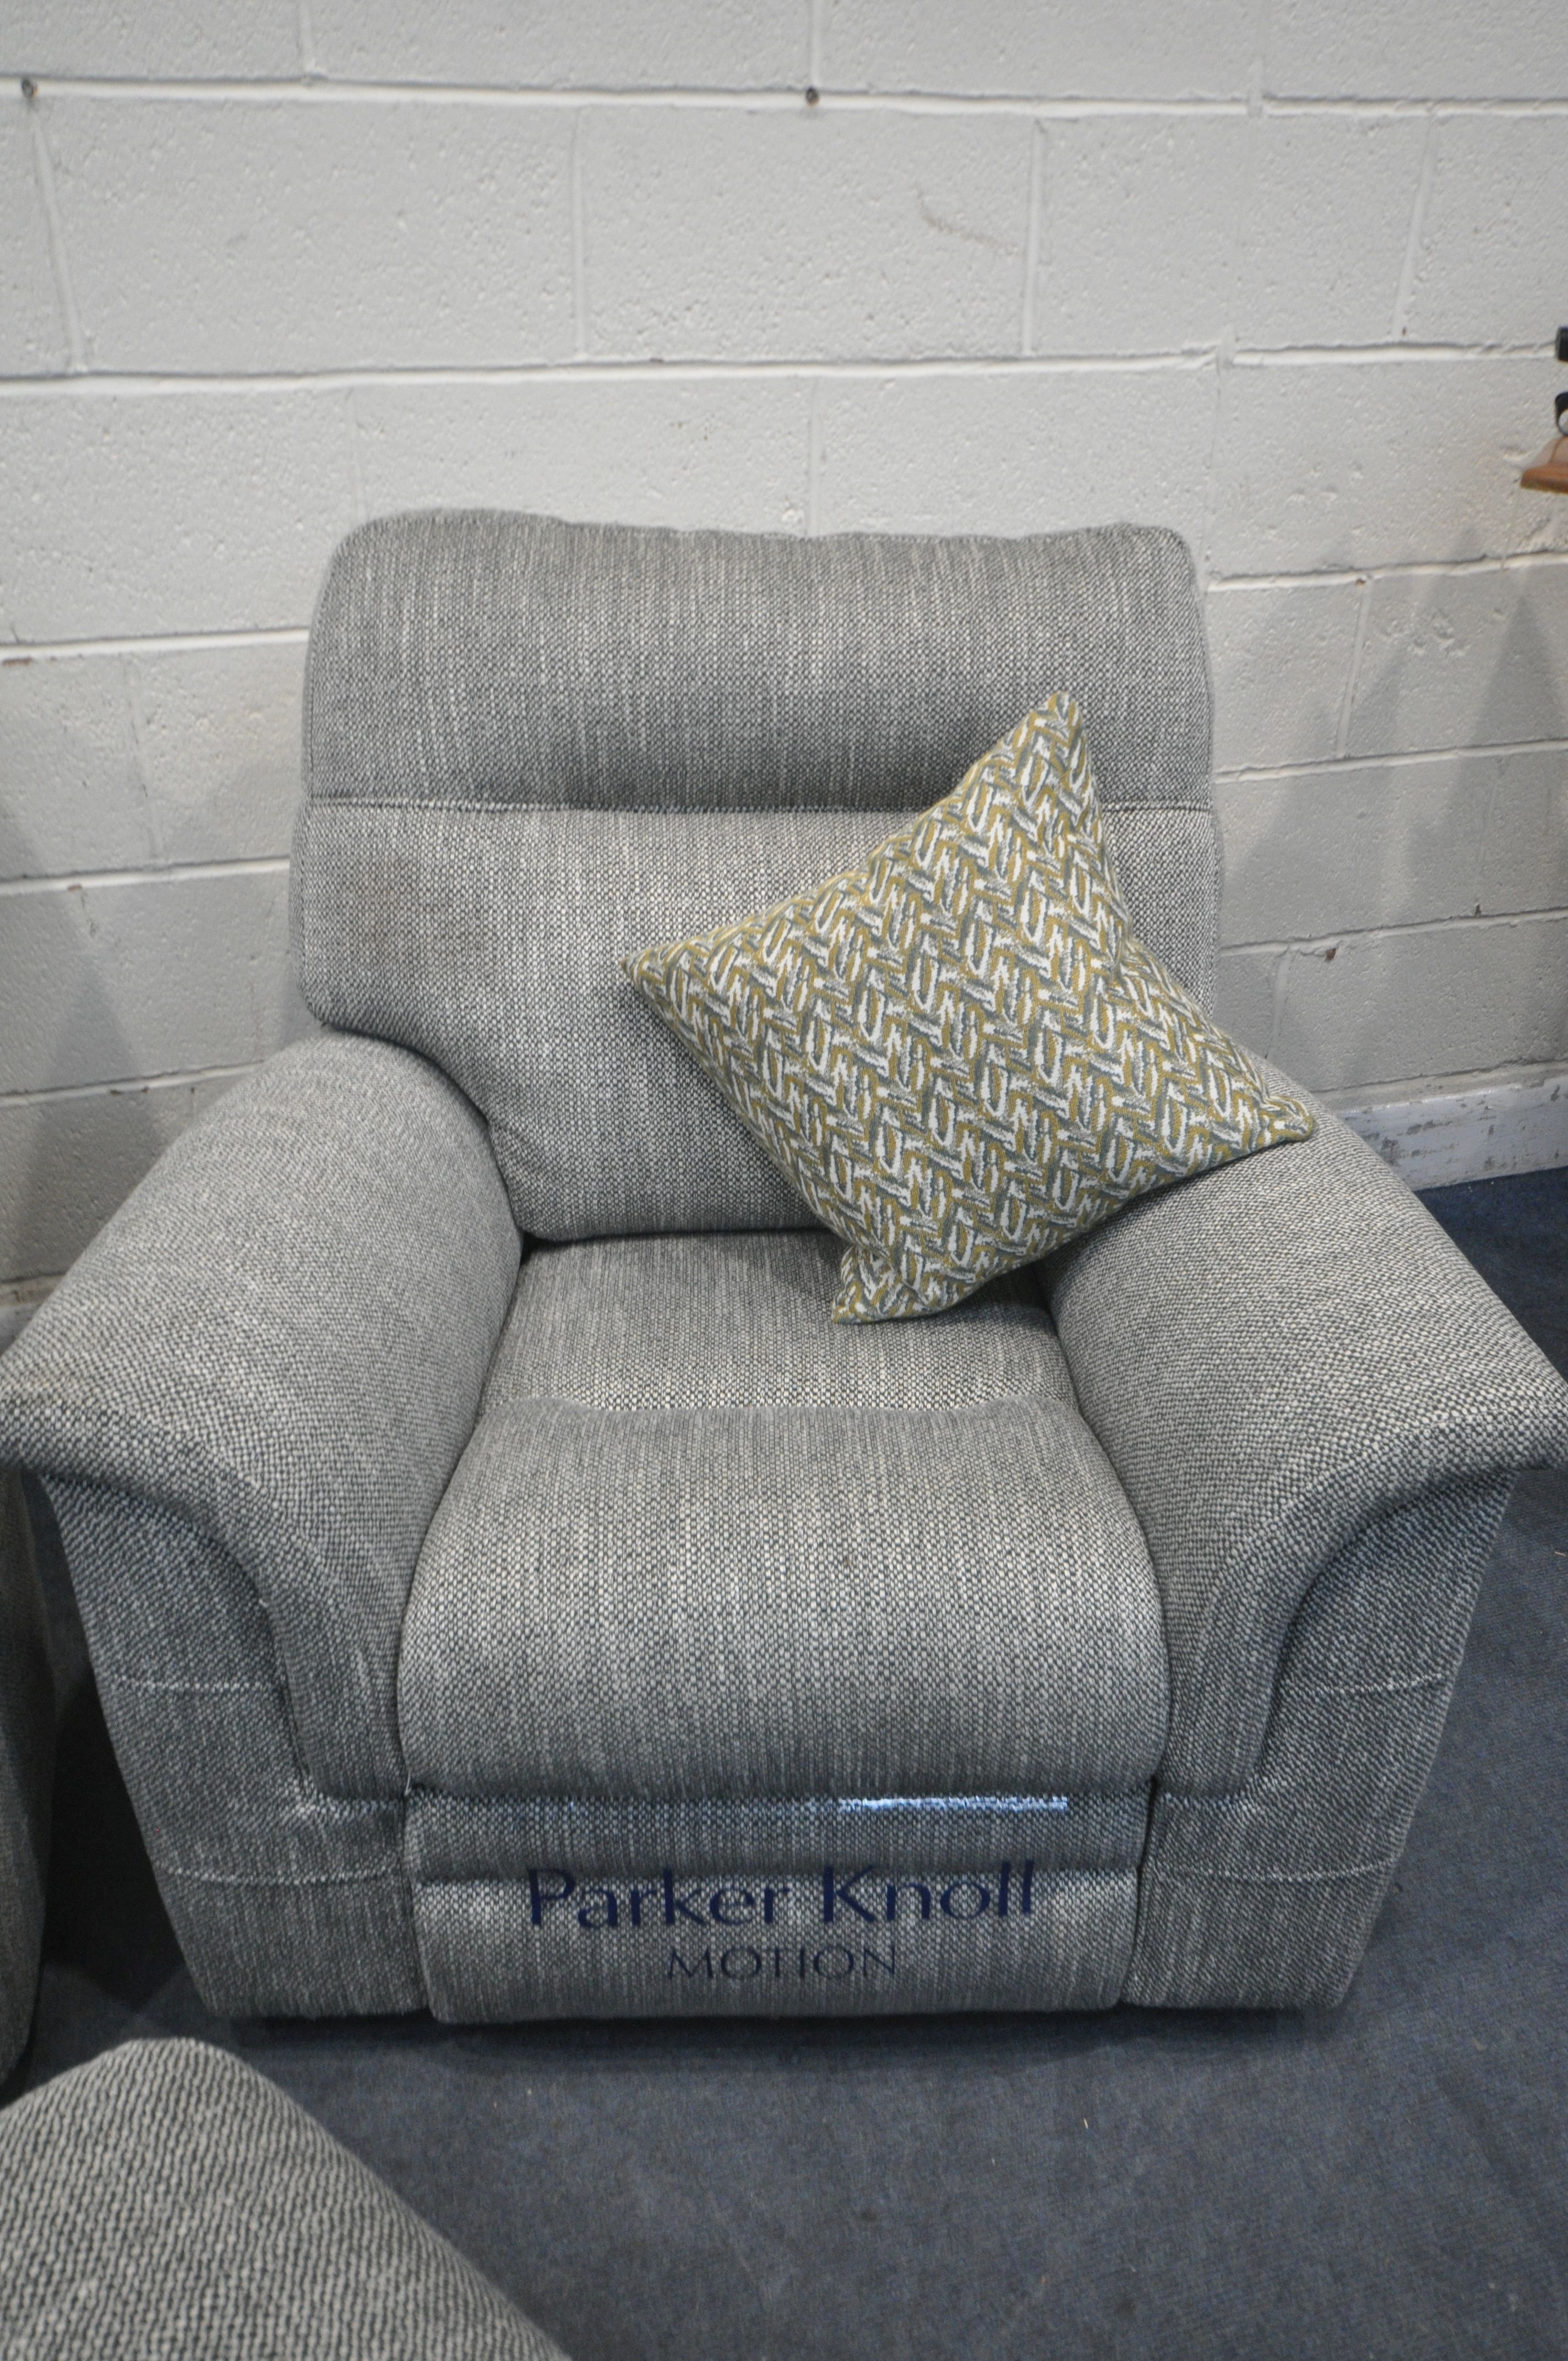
{"x": 959, "y": 1053}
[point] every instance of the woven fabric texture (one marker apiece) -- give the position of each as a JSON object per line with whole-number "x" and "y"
{"x": 164, "y": 2202}
{"x": 491, "y": 942}
{"x": 1266, "y": 1898}
{"x": 27, "y": 1765}
{"x": 960, "y": 1052}
{"x": 488, "y": 658}
{"x": 1274, "y": 1355}
{"x": 458, "y": 1838}
{"x": 489, "y": 1955}
{"x": 734, "y": 1321}
{"x": 282, "y": 1336}
{"x": 287, "y": 1901}
{"x": 665, "y": 1599}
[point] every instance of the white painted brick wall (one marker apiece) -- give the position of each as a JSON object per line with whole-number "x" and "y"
{"x": 1281, "y": 273}
{"x": 409, "y": 235}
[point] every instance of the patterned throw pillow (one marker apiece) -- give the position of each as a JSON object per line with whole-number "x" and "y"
{"x": 959, "y": 1053}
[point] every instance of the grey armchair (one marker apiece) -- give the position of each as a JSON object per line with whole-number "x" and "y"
{"x": 511, "y": 1593}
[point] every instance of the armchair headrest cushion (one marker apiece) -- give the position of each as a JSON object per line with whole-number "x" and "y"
{"x": 483, "y": 658}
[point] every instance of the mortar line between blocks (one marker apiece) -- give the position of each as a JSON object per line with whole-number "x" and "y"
{"x": 1521, "y": 1074}
{"x": 128, "y": 1085}
{"x": 813, "y": 461}
{"x": 1512, "y": 561}
{"x": 354, "y": 429}
{"x": 193, "y": 873}
{"x": 579, "y": 254}
{"x": 315, "y": 86}
{"x": 131, "y": 689}
{"x": 1391, "y": 758}
{"x": 17, "y": 652}
{"x": 1277, "y": 986}
{"x": 304, "y": 33}
{"x": 1458, "y": 921}
{"x": 65, "y": 294}
{"x": 1424, "y": 179}
{"x": 146, "y": 384}
{"x": 1353, "y": 671}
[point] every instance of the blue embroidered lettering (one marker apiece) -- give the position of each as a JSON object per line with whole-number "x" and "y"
{"x": 732, "y": 1906}
{"x": 836, "y": 1891}
{"x": 539, "y": 1899}
{"x": 683, "y": 1906}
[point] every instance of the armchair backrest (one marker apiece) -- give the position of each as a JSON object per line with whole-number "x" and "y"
{"x": 530, "y": 746}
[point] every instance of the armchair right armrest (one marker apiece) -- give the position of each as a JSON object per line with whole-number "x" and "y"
{"x": 1316, "y": 1407}
{"x": 1274, "y": 1355}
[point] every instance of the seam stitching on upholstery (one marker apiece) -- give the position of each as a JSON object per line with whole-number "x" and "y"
{"x": 67, "y": 1403}
{"x": 102, "y": 1673}
{"x": 1379, "y": 1688}
{"x": 425, "y": 1879}
{"x": 1275, "y": 1876}
{"x": 504, "y": 805}
{"x": 1043, "y": 1802}
{"x": 323, "y": 1877}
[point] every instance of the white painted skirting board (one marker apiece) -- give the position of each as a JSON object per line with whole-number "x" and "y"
{"x": 1476, "y": 1135}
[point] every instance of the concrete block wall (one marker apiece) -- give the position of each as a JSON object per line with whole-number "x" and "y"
{"x": 1281, "y": 273}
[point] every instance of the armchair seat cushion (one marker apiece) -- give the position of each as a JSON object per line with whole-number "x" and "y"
{"x": 704, "y": 1544}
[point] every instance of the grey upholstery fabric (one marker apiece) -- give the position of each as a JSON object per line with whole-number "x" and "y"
{"x": 27, "y": 1765}
{"x": 737, "y": 1321}
{"x": 1274, "y": 1355}
{"x": 752, "y": 1941}
{"x": 287, "y": 1901}
{"x": 491, "y": 940}
{"x": 1266, "y": 1898}
{"x": 473, "y": 657}
{"x": 793, "y": 1595}
{"x": 283, "y": 1336}
{"x": 458, "y": 1838}
{"x": 1168, "y": 863}
{"x": 531, "y": 746}
{"x": 164, "y": 2202}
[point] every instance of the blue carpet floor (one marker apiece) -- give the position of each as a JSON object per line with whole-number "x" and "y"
{"x": 1388, "y": 2180}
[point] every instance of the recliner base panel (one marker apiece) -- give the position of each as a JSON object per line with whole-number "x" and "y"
{"x": 497, "y": 1909}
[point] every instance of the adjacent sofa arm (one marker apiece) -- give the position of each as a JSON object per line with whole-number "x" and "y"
{"x": 1275, "y": 1355}
{"x": 27, "y": 1771}
{"x": 283, "y": 1336}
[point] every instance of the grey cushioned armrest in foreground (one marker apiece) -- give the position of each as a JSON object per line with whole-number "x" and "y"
{"x": 283, "y": 1336}
{"x": 1274, "y": 1355}
{"x": 165, "y": 2200}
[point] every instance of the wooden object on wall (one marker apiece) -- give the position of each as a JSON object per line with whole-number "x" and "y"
{"x": 1548, "y": 471}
